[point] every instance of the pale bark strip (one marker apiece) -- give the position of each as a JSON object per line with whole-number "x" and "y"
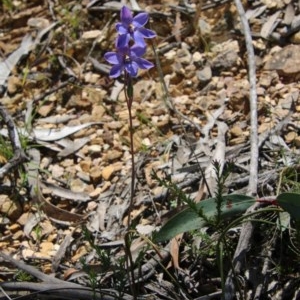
{"x": 248, "y": 228}
{"x": 252, "y": 188}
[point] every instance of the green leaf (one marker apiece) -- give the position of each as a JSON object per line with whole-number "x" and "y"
{"x": 188, "y": 219}
{"x": 290, "y": 202}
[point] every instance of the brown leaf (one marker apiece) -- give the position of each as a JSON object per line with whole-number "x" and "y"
{"x": 174, "y": 250}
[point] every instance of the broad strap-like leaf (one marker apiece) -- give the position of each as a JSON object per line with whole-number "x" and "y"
{"x": 188, "y": 219}
{"x": 290, "y": 202}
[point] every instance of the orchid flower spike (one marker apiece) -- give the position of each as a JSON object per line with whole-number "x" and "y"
{"x": 133, "y": 28}
{"x": 128, "y": 59}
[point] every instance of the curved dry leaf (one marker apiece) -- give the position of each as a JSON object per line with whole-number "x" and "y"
{"x": 48, "y": 135}
{"x": 66, "y": 193}
{"x": 54, "y": 212}
{"x": 289, "y": 14}
{"x": 32, "y": 221}
{"x": 268, "y": 28}
{"x": 256, "y": 12}
{"x": 7, "y": 65}
{"x": 70, "y": 146}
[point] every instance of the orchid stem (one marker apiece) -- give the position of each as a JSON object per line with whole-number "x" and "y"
{"x": 129, "y": 99}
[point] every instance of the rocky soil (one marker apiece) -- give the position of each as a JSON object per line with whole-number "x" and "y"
{"x": 65, "y": 149}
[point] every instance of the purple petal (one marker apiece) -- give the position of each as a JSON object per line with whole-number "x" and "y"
{"x": 116, "y": 71}
{"x": 121, "y": 28}
{"x": 140, "y": 20}
{"x": 143, "y": 63}
{"x": 126, "y": 15}
{"x": 132, "y": 68}
{"x": 123, "y": 40}
{"x": 138, "y": 38}
{"x": 137, "y": 51}
{"x": 147, "y": 33}
{"x": 113, "y": 58}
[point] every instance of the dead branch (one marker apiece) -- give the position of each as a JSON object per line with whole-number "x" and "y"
{"x": 252, "y": 188}
{"x": 61, "y": 291}
{"x": 51, "y": 284}
{"x": 248, "y": 228}
{"x": 31, "y": 270}
{"x": 19, "y": 155}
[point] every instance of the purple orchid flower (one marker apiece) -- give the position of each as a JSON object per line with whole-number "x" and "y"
{"x": 133, "y": 27}
{"x": 128, "y": 59}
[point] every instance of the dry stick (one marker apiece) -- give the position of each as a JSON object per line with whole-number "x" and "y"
{"x": 128, "y": 88}
{"x": 48, "y": 282}
{"x": 60, "y": 291}
{"x": 19, "y": 155}
{"x": 252, "y": 188}
{"x": 34, "y": 272}
{"x": 4, "y": 293}
{"x": 247, "y": 229}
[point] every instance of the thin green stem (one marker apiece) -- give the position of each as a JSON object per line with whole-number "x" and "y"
{"x": 129, "y": 99}
{"x": 132, "y": 168}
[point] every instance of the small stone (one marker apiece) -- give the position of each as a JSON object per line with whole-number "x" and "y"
{"x": 91, "y": 78}
{"x": 260, "y": 91}
{"x": 95, "y": 173}
{"x": 18, "y": 235}
{"x": 170, "y": 55}
{"x": 297, "y": 141}
{"x": 91, "y": 35}
{"x": 286, "y": 61}
{"x": 236, "y": 131}
{"x": 184, "y": 56}
{"x": 14, "y": 227}
{"x": 13, "y": 84}
{"x": 44, "y": 110}
{"x": 290, "y": 137}
{"x": 95, "y": 149}
{"x": 57, "y": 171}
{"x": 295, "y": 38}
{"x": 115, "y": 125}
{"x": 10, "y": 208}
{"x": 92, "y": 205}
{"x": 205, "y": 74}
{"x": 38, "y": 23}
{"x": 95, "y": 193}
{"x": 107, "y": 172}
{"x": 112, "y": 155}
{"x": 77, "y": 185}
{"x": 47, "y": 248}
{"x": 237, "y": 141}
{"x": 98, "y": 112}
{"x": 267, "y": 78}
{"x": 225, "y": 60}
{"x": 197, "y": 57}
{"x": 85, "y": 165}
{"x": 205, "y": 28}
{"x": 273, "y": 3}
{"x": 116, "y": 167}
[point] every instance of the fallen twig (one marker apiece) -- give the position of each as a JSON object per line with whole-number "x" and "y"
{"x": 19, "y": 154}
{"x": 61, "y": 291}
{"x": 52, "y": 284}
{"x": 248, "y": 227}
